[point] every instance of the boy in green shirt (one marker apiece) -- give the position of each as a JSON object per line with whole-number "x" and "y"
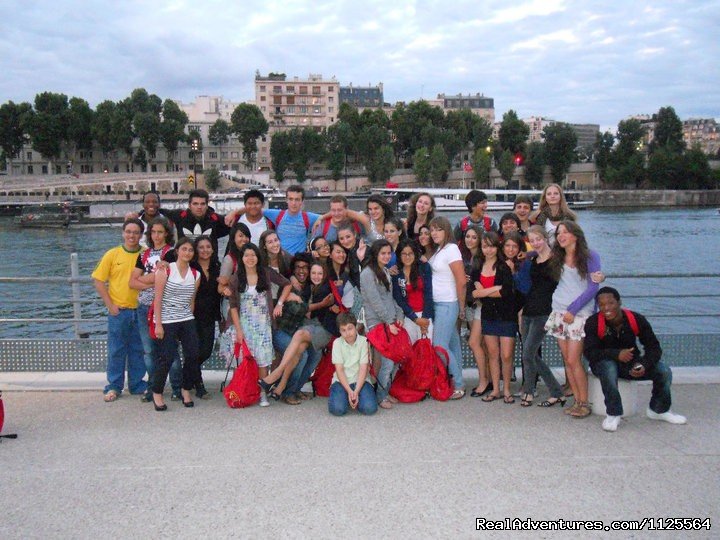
{"x": 350, "y": 355}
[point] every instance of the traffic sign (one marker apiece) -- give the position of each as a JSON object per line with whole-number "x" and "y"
{"x": 191, "y": 179}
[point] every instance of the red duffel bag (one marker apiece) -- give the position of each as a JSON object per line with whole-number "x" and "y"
{"x": 441, "y": 388}
{"x": 421, "y": 368}
{"x": 243, "y": 390}
{"x": 401, "y": 390}
{"x": 322, "y": 376}
{"x": 395, "y": 347}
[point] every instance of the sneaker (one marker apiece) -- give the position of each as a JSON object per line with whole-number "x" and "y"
{"x": 264, "y": 400}
{"x": 611, "y": 423}
{"x": 668, "y": 416}
{"x": 176, "y": 396}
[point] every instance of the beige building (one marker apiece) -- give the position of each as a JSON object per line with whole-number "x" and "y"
{"x": 295, "y": 103}
{"x": 703, "y": 132}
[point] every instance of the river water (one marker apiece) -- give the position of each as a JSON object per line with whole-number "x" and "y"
{"x": 642, "y": 241}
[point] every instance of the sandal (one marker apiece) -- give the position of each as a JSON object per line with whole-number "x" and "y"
{"x": 291, "y": 400}
{"x": 303, "y": 396}
{"x": 392, "y": 399}
{"x": 490, "y": 397}
{"x": 385, "y": 404}
{"x": 572, "y": 408}
{"x": 550, "y": 402}
{"x": 458, "y": 394}
{"x": 488, "y": 388}
{"x": 583, "y": 410}
{"x": 525, "y": 402}
{"x": 273, "y": 395}
{"x": 508, "y": 400}
{"x": 110, "y": 396}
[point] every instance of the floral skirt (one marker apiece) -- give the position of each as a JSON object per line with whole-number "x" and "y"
{"x": 556, "y": 327}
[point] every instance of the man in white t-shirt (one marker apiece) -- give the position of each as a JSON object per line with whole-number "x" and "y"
{"x": 253, "y": 217}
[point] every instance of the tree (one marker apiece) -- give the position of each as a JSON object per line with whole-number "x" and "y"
{"x": 102, "y": 128}
{"x": 382, "y": 164}
{"x": 629, "y": 135}
{"x": 534, "y": 163}
{"x": 123, "y": 129}
{"x": 481, "y": 135}
{"x": 665, "y": 169}
{"x": 421, "y": 164}
{"x": 48, "y": 124}
{"x": 305, "y": 146}
{"x": 13, "y": 124}
{"x": 172, "y": 129}
{"x": 506, "y": 165}
{"x": 212, "y": 179}
{"x": 369, "y": 141}
{"x": 80, "y": 124}
{"x": 626, "y": 164}
{"x": 439, "y": 166}
{"x": 513, "y": 133}
{"x": 248, "y": 123}
{"x": 603, "y": 148}
{"x": 697, "y": 170}
{"x": 147, "y": 128}
{"x": 408, "y": 124}
{"x": 219, "y": 135}
{"x": 560, "y": 143}
{"x": 338, "y": 144}
{"x": 280, "y": 154}
{"x": 482, "y": 164}
{"x": 668, "y": 131}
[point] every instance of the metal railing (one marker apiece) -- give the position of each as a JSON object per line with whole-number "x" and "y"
{"x": 85, "y": 353}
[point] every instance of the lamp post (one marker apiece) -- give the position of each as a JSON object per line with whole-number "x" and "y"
{"x": 195, "y": 145}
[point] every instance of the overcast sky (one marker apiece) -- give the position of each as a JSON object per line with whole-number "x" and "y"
{"x": 582, "y": 61}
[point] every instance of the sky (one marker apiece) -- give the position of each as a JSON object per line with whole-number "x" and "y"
{"x": 574, "y": 61}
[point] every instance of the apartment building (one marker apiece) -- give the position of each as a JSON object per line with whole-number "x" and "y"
{"x": 362, "y": 96}
{"x": 703, "y": 132}
{"x": 478, "y": 104}
{"x": 294, "y": 103}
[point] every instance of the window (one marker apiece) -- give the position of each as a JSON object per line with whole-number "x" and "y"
{"x": 213, "y": 155}
{"x": 234, "y": 155}
{"x": 330, "y": 88}
{"x": 44, "y": 169}
{"x": 316, "y": 89}
{"x": 29, "y": 168}
{"x": 303, "y": 90}
{"x": 331, "y": 109}
{"x": 262, "y": 108}
{"x": 153, "y": 168}
{"x": 263, "y": 138}
{"x": 224, "y": 155}
{"x": 262, "y": 88}
{"x": 262, "y": 98}
{"x": 331, "y": 99}
{"x": 290, "y": 109}
{"x": 290, "y": 89}
{"x": 277, "y": 89}
{"x": 291, "y": 100}
{"x": 277, "y": 100}
{"x": 29, "y": 156}
{"x": 193, "y": 128}
{"x": 316, "y": 110}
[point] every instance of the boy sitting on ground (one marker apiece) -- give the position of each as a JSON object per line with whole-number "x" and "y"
{"x": 350, "y": 355}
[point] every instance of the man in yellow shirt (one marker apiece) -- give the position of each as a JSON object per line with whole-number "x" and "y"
{"x": 111, "y": 278}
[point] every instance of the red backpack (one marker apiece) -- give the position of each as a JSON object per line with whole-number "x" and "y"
{"x": 403, "y": 390}
{"x": 322, "y": 376}
{"x": 465, "y": 223}
{"x": 441, "y": 388}
{"x": 630, "y": 317}
{"x": 395, "y": 347}
{"x": 2, "y": 421}
{"x": 281, "y": 215}
{"x": 421, "y": 368}
{"x": 146, "y": 254}
{"x": 243, "y": 390}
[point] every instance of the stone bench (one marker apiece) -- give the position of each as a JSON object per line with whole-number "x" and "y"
{"x": 628, "y": 393}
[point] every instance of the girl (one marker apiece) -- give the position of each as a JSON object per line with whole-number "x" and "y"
{"x": 320, "y": 249}
{"x": 471, "y": 254}
{"x": 553, "y": 209}
{"x": 572, "y": 303}
{"x": 207, "y": 302}
{"x": 337, "y": 269}
{"x": 537, "y": 308}
{"x": 315, "y": 333}
{"x": 380, "y": 307}
{"x": 394, "y": 233}
{"x": 239, "y": 236}
{"x": 160, "y": 239}
{"x": 251, "y": 306}
{"x": 449, "y": 286}
{"x": 174, "y": 303}
{"x": 421, "y": 211}
{"x": 425, "y": 242}
{"x": 274, "y": 256}
{"x": 412, "y": 291}
{"x": 356, "y": 250}
{"x": 493, "y": 283}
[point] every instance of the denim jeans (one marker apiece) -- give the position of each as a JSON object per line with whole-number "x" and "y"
{"x": 445, "y": 335}
{"x": 338, "y": 404}
{"x": 125, "y": 349}
{"x": 533, "y": 332}
{"x": 150, "y": 350}
{"x": 281, "y": 341}
{"x": 186, "y": 333}
{"x": 608, "y": 372}
{"x": 384, "y": 377}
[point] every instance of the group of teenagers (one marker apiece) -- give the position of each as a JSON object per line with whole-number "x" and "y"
{"x": 293, "y": 283}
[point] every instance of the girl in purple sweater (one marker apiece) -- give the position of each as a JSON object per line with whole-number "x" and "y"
{"x": 573, "y": 302}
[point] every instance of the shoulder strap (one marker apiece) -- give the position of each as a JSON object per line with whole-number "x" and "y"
{"x": 326, "y": 227}
{"x": 235, "y": 263}
{"x": 306, "y": 220}
{"x": 270, "y": 225}
{"x": 488, "y": 224}
{"x": 145, "y": 256}
{"x": 357, "y": 227}
{"x": 464, "y": 223}
{"x": 183, "y": 214}
{"x": 336, "y": 295}
{"x": 633, "y": 321}
{"x": 194, "y": 272}
{"x": 601, "y": 326}
{"x": 280, "y": 217}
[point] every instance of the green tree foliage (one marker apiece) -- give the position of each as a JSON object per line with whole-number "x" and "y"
{"x": 513, "y": 133}
{"x": 123, "y": 128}
{"x": 349, "y": 115}
{"x": 506, "y": 165}
{"x": 280, "y": 154}
{"x": 421, "y": 164}
{"x": 410, "y": 123}
{"x": 481, "y": 133}
{"x": 338, "y": 145}
{"x": 306, "y": 146}
{"x": 172, "y": 129}
{"x": 665, "y": 169}
{"x": 370, "y": 140}
{"x": 629, "y": 136}
{"x": 668, "y": 131}
{"x": 439, "y": 165}
{"x": 212, "y": 179}
{"x": 482, "y": 163}
{"x": 48, "y": 124}
{"x": 534, "y": 163}
{"x": 219, "y": 133}
{"x": 248, "y": 123}
{"x": 80, "y": 123}
{"x": 603, "y": 147}
{"x": 560, "y": 143}
{"x": 147, "y": 127}
{"x": 102, "y": 128}
{"x": 13, "y": 126}
{"x": 382, "y": 165}
{"x": 629, "y": 172}
{"x": 698, "y": 172}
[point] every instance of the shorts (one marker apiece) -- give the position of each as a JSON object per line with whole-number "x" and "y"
{"x": 319, "y": 337}
{"x": 556, "y": 327}
{"x": 500, "y": 328}
{"x": 472, "y": 313}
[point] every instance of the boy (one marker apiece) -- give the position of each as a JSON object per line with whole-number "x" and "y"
{"x": 522, "y": 208}
{"x": 350, "y": 355}
{"x": 477, "y": 203}
{"x": 111, "y": 278}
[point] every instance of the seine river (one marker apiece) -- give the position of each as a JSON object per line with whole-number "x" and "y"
{"x": 641, "y": 241}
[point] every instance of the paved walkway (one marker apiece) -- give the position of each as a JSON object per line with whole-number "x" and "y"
{"x": 82, "y": 468}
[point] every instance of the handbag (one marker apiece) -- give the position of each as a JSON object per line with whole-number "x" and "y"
{"x": 395, "y": 347}
{"x": 243, "y": 390}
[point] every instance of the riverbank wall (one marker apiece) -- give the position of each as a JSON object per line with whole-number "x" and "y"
{"x": 622, "y": 198}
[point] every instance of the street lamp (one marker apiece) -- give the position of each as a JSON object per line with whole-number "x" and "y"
{"x": 195, "y": 145}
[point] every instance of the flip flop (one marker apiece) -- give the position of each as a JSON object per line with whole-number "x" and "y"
{"x": 509, "y": 400}
{"x": 490, "y": 397}
{"x": 110, "y": 396}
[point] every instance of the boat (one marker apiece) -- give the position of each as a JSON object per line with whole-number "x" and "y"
{"x": 52, "y": 215}
{"x": 498, "y": 199}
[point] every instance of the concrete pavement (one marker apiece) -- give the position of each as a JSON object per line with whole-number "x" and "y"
{"x": 82, "y": 468}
